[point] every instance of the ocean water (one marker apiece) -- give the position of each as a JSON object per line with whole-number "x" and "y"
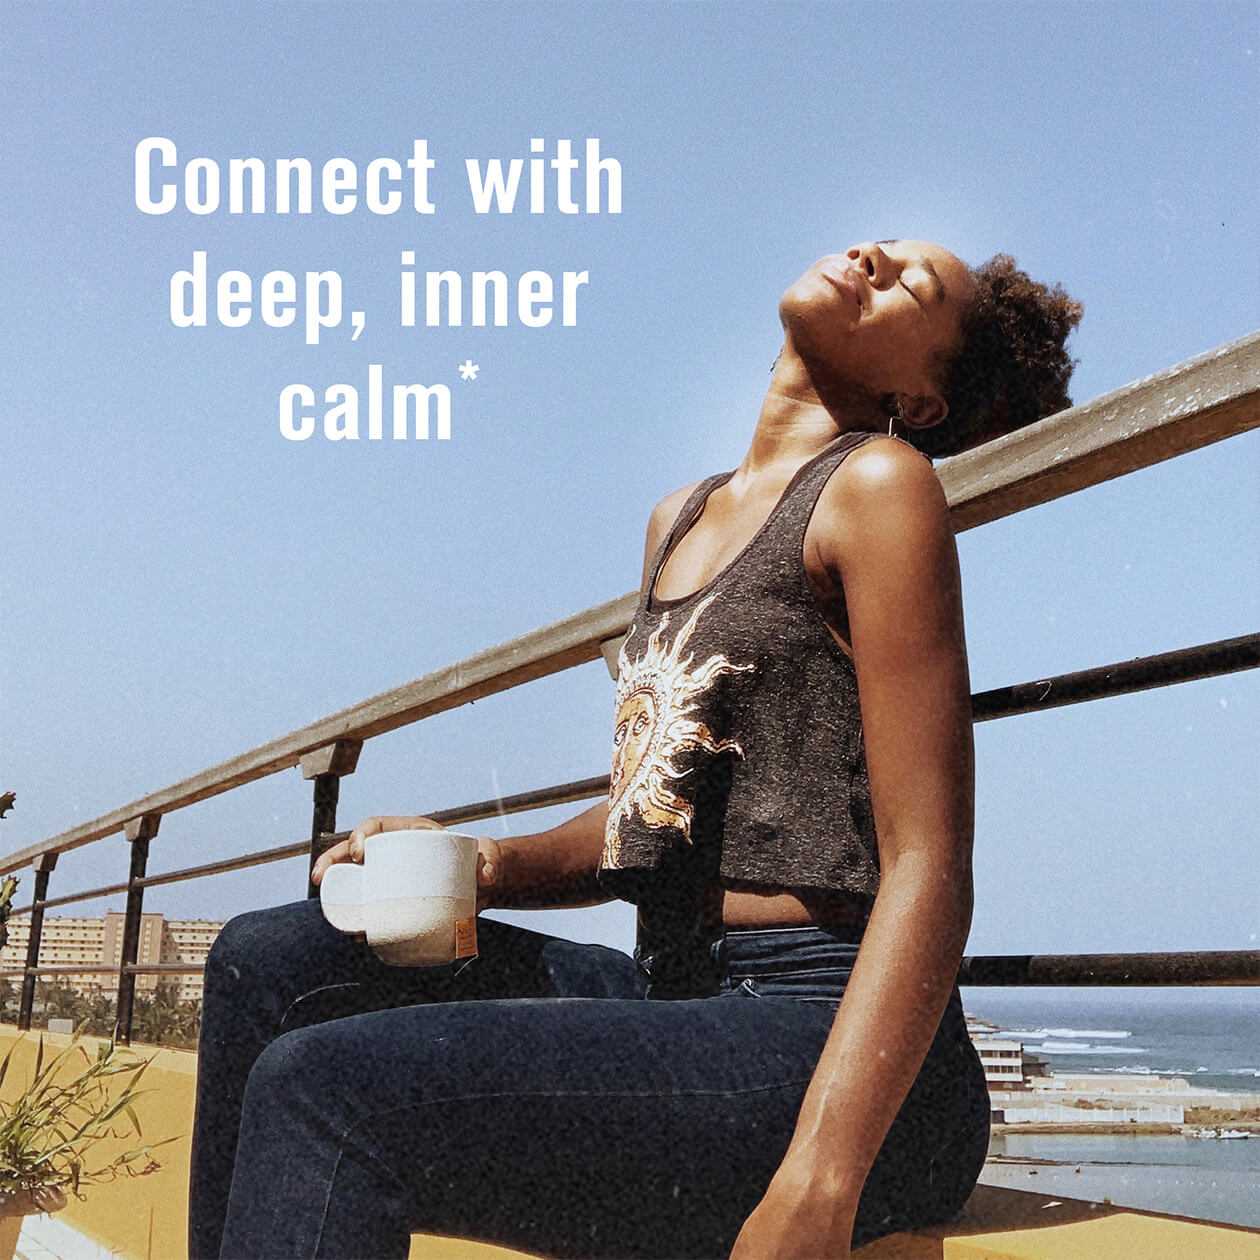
{"x": 1211, "y": 1037}
{"x": 1179, "y": 1176}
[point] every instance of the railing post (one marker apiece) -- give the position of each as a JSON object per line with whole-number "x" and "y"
{"x": 610, "y": 650}
{"x": 326, "y": 766}
{"x": 139, "y": 832}
{"x": 42, "y": 866}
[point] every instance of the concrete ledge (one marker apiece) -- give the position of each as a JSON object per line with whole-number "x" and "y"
{"x": 1000, "y": 1224}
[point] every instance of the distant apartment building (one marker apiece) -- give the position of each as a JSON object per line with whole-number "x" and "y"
{"x": 1008, "y": 1063}
{"x": 98, "y": 942}
{"x": 1003, "y": 1062}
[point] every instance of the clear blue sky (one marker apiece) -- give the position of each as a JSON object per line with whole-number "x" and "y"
{"x": 182, "y": 583}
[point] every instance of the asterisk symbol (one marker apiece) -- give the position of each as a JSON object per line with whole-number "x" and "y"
{"x": 468, "y": 370}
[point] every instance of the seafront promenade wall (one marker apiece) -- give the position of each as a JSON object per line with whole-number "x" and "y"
{"x": 1037, "y": 1112}
{"x": 1118, "y": 1103}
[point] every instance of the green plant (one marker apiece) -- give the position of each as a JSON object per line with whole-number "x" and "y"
{"x": 48, "y": 1132}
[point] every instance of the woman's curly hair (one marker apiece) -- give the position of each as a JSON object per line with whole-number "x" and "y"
{"x": 1012, "y": 368}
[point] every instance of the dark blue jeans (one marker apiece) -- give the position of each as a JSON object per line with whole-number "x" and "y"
{"x": 534, "y": 1099}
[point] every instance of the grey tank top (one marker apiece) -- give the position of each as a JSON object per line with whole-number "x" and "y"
{"x": 738, "y": 754}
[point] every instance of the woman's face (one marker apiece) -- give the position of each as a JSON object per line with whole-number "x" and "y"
{"x": 880, "y": 315}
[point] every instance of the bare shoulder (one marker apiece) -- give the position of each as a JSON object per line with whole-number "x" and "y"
{"x": 885, "y": 468}
{"x": 669, "y": 507}
{"x": 885, "y": 476}
{"x": 884, "y": 495}
{"x": 664, "y": 514}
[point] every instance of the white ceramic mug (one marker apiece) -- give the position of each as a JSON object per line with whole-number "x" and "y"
{"x": 414, "y": 896}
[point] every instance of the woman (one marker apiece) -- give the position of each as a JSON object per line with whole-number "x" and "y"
{"x": 790, "y": 808}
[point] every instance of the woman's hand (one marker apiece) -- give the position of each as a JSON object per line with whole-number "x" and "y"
{"x": 798, "y": 1219}
{"x": 489, "y": 854}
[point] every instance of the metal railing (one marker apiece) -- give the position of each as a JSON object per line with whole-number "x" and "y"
{"x": 1204, "y": 400}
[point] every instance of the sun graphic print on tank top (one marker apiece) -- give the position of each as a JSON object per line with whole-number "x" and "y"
{"x": 664, "y": 704}
{"x": 739, "y": 757}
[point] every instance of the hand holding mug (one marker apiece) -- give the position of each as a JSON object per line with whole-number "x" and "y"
{"x": 413, "y": 891}
{"x": 489, "y": 855}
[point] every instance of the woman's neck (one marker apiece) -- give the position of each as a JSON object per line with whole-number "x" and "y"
{"x": 799, "y": 417}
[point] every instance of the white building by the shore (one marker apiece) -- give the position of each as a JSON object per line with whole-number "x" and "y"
{"x": 1022, "y": 1090}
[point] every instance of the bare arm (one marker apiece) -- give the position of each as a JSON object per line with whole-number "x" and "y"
{"x": 884, "y": 532}
{"x": 555, "y": 868}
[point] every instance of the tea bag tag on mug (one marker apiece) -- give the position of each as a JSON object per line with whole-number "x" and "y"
{"x": 466, "y": 937}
